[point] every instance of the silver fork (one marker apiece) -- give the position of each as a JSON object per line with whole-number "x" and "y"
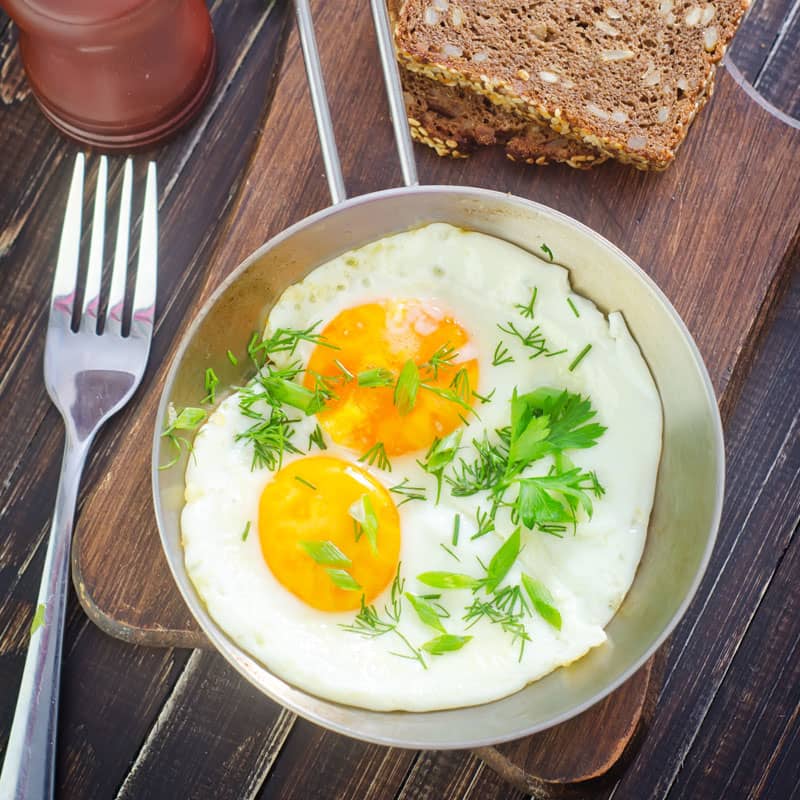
{"x": 89, "y": 376}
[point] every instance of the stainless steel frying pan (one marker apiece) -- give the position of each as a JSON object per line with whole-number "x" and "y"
{"x": 689, "y": 492}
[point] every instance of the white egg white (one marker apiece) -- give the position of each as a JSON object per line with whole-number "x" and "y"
{"x": 481, "y": 281}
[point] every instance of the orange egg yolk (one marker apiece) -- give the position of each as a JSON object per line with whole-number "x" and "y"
{"x": 386, "y": 335}
{"x": 310, "y": 502}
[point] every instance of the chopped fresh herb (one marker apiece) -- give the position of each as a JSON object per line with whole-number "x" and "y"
{"x": 547, "y": 251}
{"x": 507, "y": 609}
{"x": 542, "y": 601}
{"x": 501, "y": 562}
{"x": 443, "y": 357}
{"x": 555, "y": 498}
{"x": 188, "y": 419}
{"x": 302, "y": 480}
{"x": 533, "y": 340}
{"x": 270, "y": 436}
{"x": 460, "y": 385}
{"x": 449, "y": 394}
{"x": 446, "y": 643}
{"x": 38, "y": 618}
{"x": 211, "y": 381}
{"x": 363, "y": 512}
{"x": 283, "y": 340}
{"x": 405, "y": 390}
{"x": 425, "y": 611}
{"x": 342, "y": 579}
{"x": 501, "y": 355}
{"x": 577, "y": 360}
{"x": 316, "y": 437}
{"x": 232, "y": 358}
{"x": 376, "y": 455}
{"x": 326, "y": 553}
{"x": 456, "y": 529}
{"x": 555, "y": 352}
{"x": 447, "y": 580}
{"x": 375, "y": 378}
{"x": 449, "y": 551}
{"x": 485, "y": 523}
{"x": 347, "y": 376}
{"x": 281, "y": 391}
{"x": 527, "y": 310}
{"x": 246, "y": 531}
{"x": 368, "y": 622}
{"x": 572, "y": 306}
{"x": 484, "y": 473}
{"x": 408, "y": 492}
{"x": 439, "y": 456}
{"x": 484, "y": 398}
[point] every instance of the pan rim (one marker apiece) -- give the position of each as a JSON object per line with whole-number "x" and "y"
{"x": 229, "y": 650}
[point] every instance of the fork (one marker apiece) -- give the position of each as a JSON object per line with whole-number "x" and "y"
{"x": 89, "y": 375}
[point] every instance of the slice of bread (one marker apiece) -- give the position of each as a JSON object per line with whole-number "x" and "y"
{"x": 454, "y": 121}
{"x": 626, "y": 77}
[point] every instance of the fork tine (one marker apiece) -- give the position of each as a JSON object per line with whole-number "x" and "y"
{"x": 66, "y": 277}
{"x": 144, "y": 295}
{"x": 116, "y": 295}
{"x": 94, "y": 272}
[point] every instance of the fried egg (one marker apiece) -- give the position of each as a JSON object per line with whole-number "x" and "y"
{"x": 319, "y": 563}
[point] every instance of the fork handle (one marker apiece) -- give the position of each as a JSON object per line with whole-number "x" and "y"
{"x": 29, "y": 765}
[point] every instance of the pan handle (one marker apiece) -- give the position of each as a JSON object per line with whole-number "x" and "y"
{"x": 319, "y": 97}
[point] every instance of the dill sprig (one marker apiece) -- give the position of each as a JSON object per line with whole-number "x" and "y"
{"x": 534, "y": 340}
{"x": 376, "y": 456}
{"x": 408, "y": 492}
{"x": 270, "y": 435}
{"x": 188, "y": 419}
{"x": 316, "y": 437}
{"x": 510, "y": 620}
{"x": 501, "y": 355}
{"x": 283, "y": 340}
{"x": 443, "y": 357}
{"x": 527, "y": 310}
{"x": 369, "y": 623}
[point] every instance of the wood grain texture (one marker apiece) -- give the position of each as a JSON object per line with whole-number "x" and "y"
{"x": 184, "y": 754}
{"x": 759, "y": 518}
{"x": 765, "y": 50}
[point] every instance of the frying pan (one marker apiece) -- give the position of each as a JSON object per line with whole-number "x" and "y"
{"x": 689, "y": 489}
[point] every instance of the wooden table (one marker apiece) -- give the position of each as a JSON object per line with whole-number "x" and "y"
{"x": 145, "y": 722}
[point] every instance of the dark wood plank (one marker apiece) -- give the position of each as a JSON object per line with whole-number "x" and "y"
{"x": 215, "y": 736}
{"x": 756, "y": 710}
{"x": 756, "y": 36}
{"x": 779, "y": 78}
{"x": 758, "y": 702}
{"x": 762, "y": 508}
{"x": 316, "y": 763}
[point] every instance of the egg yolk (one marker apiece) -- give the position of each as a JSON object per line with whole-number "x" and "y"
{"x": 387, "y": 335}
{"x": 311, "y": 502}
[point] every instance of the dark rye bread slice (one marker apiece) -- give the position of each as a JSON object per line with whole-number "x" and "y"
{"x": 454, "y": 121}
{"x": 624, "y": 76}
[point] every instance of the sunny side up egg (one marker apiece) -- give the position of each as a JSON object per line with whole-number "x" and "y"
{"x": 440, "y": 344}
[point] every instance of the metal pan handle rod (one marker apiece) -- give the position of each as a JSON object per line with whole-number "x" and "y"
{"x": 319, "y": 97}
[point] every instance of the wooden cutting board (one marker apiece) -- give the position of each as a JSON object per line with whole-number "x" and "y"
{"x": 717, "y": 232}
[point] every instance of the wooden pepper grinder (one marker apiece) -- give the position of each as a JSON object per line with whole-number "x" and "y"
{"x": 116, "y": 74}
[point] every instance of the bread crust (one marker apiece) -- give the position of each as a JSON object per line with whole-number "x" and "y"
{"x": 569, "y": 102}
